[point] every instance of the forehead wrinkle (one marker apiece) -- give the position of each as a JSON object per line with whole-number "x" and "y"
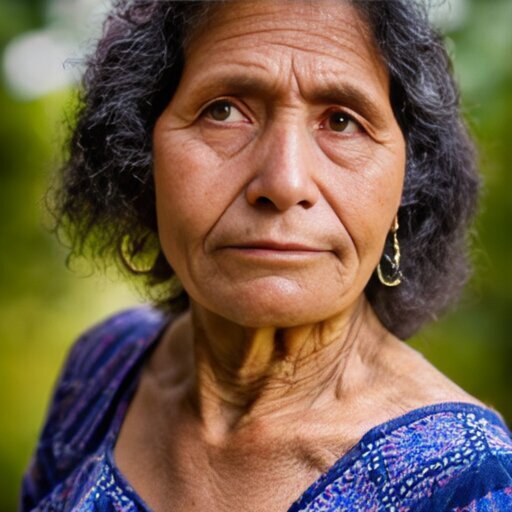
{"x": 362, "y": 65}
{"x": 334, "y": 64}
{"x": 354, "y": 36}
{"x": 240, "y": 15}
{"x": 291, "y": 37}
{"x": 297, "y": 34}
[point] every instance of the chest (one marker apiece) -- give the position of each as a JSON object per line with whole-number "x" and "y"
{"x": 189, "y": 478}
{"x": 169, "y": 467}
{"x": 191, "y": 493}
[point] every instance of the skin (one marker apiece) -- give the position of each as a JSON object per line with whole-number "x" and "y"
{"x": 273, "y": 211}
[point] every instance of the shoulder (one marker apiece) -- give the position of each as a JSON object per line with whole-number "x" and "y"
{"x": 86, "y": 395}
{"x": 440, "y": 457}
{"x": 445, "y": 456}
{"x": 417, "y": 382}
{"x": 481, "y": 474}
{"x": 101, "y": 342}
{"x": 96, "y": 364}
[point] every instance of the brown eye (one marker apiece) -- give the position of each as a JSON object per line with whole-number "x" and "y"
{"x": 224, "y": 111}
{"x": 220, "y": 111}
{"x": 341, "y": 122}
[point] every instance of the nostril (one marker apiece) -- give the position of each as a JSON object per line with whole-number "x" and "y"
{"x": 264, "y": 201}
{"x": 305, "y": 204}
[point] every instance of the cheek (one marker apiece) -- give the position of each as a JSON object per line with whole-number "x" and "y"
{"x": 190, "y": 193}
{"x": 365, "y": 191}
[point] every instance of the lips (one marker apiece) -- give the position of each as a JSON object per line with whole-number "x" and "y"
{"x": 275, "y": 246}
{"x": 276, "y": 249}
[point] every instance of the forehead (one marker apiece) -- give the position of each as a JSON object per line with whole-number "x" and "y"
{"x": 323, "y": 34}
{"x": 295, "y": 44}
{"x": 238, "y": 17}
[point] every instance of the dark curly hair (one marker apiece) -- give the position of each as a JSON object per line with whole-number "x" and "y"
{"x": 105, "y": 199}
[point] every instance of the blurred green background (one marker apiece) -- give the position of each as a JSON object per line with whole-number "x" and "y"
{"x": 43, "y": 306}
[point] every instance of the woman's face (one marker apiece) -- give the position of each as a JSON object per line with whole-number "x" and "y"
{"x": 279, "y": 164}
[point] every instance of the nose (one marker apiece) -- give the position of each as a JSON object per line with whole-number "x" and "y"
{"x": 284, "y": 166}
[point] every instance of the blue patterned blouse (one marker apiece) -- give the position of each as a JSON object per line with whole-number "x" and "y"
{"x": 446, "y": 457}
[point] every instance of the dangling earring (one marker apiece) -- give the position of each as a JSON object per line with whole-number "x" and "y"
{"x": 394, "y": 278}
{"x": 133, "y": 256}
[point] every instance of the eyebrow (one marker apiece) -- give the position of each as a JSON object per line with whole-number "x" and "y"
{"x": 339, "y": 93}
{"x": 351, "y": 96}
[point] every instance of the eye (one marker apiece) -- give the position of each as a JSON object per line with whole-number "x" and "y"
{"x": 224, "y": 111}
{"x": 342, "y": 123}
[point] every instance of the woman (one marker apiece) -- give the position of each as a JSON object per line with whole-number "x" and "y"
{"x": 295, "y": 181}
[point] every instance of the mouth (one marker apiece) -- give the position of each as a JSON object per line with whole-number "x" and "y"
{"x": 276, "y": 246}
{"x": 274, "y": 249}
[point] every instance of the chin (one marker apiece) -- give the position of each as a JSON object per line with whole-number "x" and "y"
{"x": 269, "y": 317}
{"x": 271, "y": 307}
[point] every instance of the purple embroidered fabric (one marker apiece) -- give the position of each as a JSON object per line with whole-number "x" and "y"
{"x": 446, "y": 457}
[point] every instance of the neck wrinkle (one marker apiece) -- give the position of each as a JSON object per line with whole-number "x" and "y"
{"x": 244, "y": 376}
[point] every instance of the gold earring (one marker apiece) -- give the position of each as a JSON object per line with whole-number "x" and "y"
{"x": 133, "y": 256}
{"x": 395, "y": 276}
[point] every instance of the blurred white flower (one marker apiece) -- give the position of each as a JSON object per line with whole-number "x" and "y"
{"x": 39, "y": 62}
{"x": 33, "y": 64}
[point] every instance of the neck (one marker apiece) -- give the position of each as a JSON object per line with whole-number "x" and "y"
{"x": 247, "y": 375}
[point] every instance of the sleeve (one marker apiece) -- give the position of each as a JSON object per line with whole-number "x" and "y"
{"x": 482, "y": 487}
{"x": 488, "y": 487}
{"x": 80, "y": 400}
{"x": 475, "y": 473}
